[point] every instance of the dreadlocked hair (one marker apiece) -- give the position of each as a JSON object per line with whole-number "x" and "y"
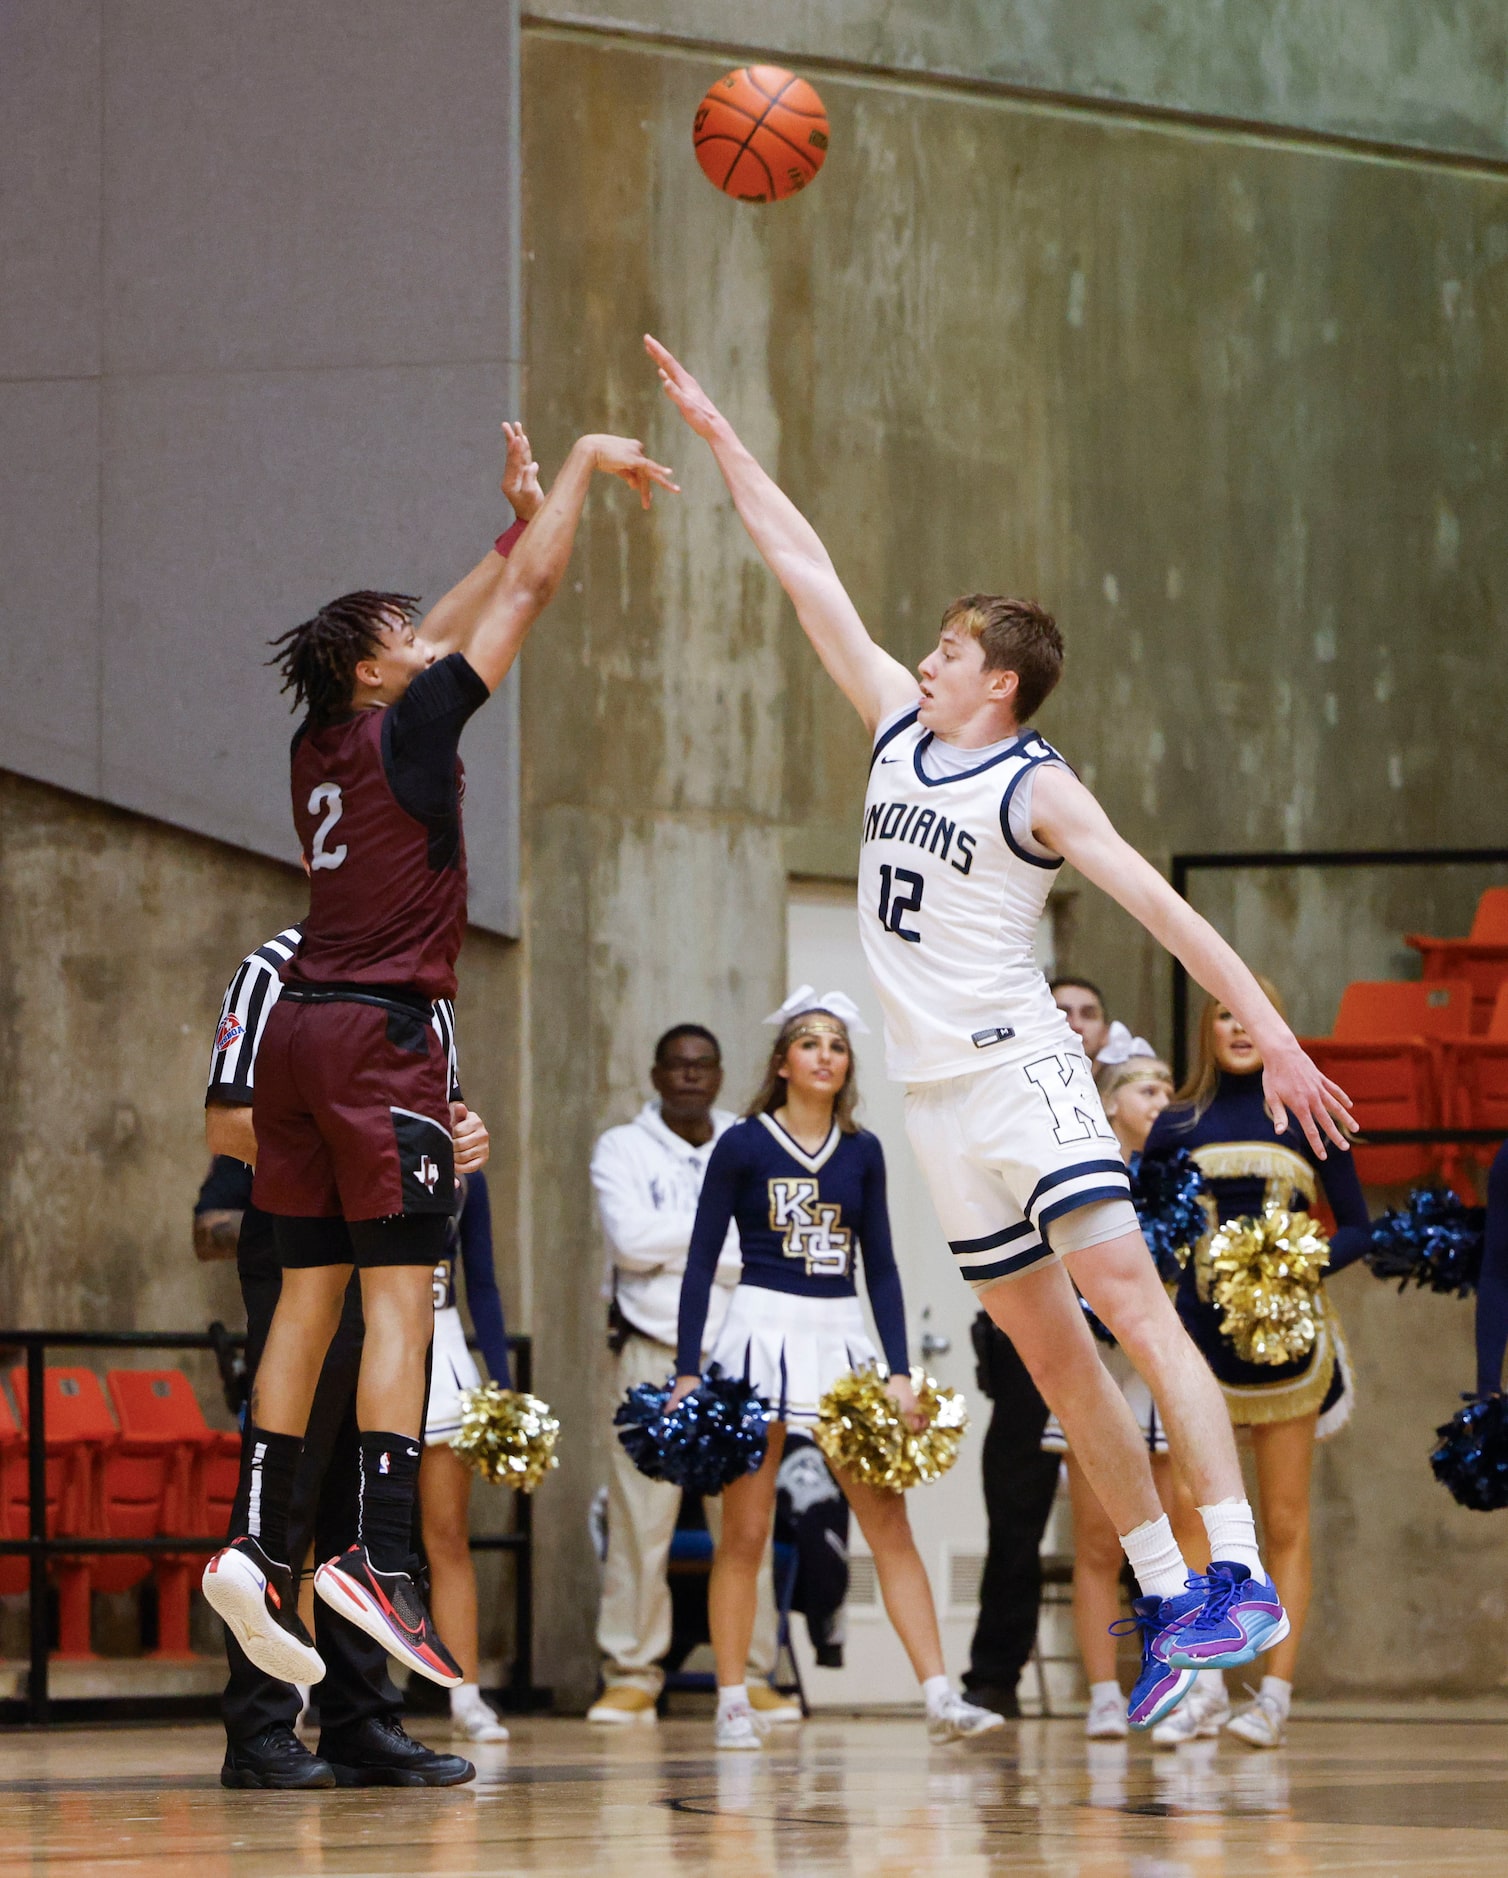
{"x": 318, "y": 660}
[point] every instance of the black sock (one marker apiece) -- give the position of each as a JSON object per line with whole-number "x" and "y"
{"x": 273, "y": 1459}
{"x": 389, "y": 1482}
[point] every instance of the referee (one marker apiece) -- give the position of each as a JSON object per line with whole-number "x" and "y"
{"x": 362, "y": 1740}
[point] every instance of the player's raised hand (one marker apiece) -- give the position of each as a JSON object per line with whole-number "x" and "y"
{"x": 1294, "y": 1085}
{"x": 624, "y": 458}
{"x": 521, "y": 474}
{"x": 682, "y": 390}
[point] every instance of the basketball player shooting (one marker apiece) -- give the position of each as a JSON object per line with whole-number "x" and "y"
{"x": 351, "y": 1109}
{"x": 969, "y": 814}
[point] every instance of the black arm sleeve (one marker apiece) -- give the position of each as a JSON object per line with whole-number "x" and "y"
{"x": 713, "y": 1211}
{"x": 422, "y": 732}
{"x": 226, "y": 1188}
{"x": 1492, "y": 1287}
{"x": 882, "y": 1276}
{"x": 1353, "y": 1224}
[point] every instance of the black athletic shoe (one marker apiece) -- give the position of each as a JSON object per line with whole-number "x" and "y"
{"x": 387, "y": 1606}
{"x": 274, "y": 1758}
{"x": 992, "y": 1696}
{"x": 256, "y": 1598}
{"x": 377, "y": 1753}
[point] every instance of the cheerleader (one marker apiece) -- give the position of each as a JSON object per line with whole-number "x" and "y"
{"x": 1492, "y": 1286}
{"x": 1134, "y": 1091}
{"x": 444, "y": 1478}
{"x": 806, "y": 1186}
{"x": 1221, "y": 1118}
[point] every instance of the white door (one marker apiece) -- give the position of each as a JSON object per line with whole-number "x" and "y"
{"x": 947, "y": 1517}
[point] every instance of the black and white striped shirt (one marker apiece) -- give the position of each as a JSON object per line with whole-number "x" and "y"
{"x": 249, "y": 998}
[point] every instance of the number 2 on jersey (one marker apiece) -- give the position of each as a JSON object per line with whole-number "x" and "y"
{"x": 327, "y": 797}
{"x": 900, "y": 894}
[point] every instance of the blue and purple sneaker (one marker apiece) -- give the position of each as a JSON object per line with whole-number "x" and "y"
{"x": 1239, "y": 1617}
{"x": 1162, "y": 1684}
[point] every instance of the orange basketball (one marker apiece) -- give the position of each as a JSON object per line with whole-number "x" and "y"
{"x": 760, "y": 134}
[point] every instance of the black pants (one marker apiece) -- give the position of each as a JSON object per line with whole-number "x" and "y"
{"x": 322, "y": 1515}
{"x": 1019, "y": 1484}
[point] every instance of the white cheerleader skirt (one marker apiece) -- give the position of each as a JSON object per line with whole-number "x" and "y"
{"x": 453, "y": 1371}
{"x": 1138, "y": 1400}
{"x": 791, "y": 1349}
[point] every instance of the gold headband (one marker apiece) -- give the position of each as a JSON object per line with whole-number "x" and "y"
{"x": 819, "y": 1025}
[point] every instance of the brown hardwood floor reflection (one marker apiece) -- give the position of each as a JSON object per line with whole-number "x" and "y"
{"x": 838, "y": 1796}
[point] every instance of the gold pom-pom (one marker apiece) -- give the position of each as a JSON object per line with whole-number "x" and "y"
{"x": 508, "y": 1438}
{"x": 1265, "y": 1278}
{"x": 862, "y": 1433}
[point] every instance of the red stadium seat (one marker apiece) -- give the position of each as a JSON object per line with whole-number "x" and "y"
{"x": 15, "y": 1502}
{"x": 148, "y": 1484}
{"x": 1387, "y": 1053}
{"x": 1481, "y": 958}
{"x": 1476, "y": 1074}
{"x": 81, "y": 1431}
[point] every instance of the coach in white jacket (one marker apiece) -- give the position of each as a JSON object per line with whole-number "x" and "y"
{"x": 648, "y": 1176}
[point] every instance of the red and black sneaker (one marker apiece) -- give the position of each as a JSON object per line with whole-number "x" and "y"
{"x": 254, "y": 1595}
{"x": 388, "y": 1607}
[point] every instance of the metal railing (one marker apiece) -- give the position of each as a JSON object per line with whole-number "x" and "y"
{"x": 39, "y": 1548}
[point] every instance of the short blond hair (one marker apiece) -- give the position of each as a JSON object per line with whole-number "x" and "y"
{"x": 1016, "y": 636}
{"x": 1120, "y": 1076}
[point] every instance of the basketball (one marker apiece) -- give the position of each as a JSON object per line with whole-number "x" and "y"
{"x": 760, "y": 134}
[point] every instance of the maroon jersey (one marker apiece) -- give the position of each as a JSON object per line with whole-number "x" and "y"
{"x": 377, "y": 805}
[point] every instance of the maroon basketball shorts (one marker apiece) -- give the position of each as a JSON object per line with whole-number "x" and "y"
{"x": 351, "y": 1106}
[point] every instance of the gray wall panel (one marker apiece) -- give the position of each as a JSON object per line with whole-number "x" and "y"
{"x": 1431, "y": 75}
{"x": 49, "y": 551}
{"x": 293, "y": 185}
{"x": 50, "y": 188}
{"x": 274, "y": 246}
{"x": 268, "y": 493}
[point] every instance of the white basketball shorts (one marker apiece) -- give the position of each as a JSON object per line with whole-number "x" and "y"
{"x": 1008, "y": 1150}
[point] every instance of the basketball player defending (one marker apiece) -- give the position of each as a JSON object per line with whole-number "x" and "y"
{"x": 968, "y": 815}
{"x": 352, "y": 1111}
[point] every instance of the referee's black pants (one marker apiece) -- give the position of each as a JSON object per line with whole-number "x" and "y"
{"x": 323, "y": 1511}
{"x": 1019, "y": 1484}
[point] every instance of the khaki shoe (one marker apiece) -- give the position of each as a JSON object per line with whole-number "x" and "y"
{"x": 772, "y": 1707}
{"x": 624, "y": 1702}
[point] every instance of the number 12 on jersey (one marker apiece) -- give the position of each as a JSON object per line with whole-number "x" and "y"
{"x": 900, "y": 894}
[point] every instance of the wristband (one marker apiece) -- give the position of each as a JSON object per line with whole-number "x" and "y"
{"x": 508, "y": 540}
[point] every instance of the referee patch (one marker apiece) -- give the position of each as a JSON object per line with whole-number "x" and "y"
{"x": 231, "y": 1030}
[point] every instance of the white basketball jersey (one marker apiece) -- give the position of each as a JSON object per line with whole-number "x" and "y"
{"x": 949, "y": 905}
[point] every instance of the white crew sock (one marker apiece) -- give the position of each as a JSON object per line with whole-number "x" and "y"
{"x": 935, "y": 1692}
{"x": 1211, "y": 1682}
{"x": 735, "y": 1695}
{"x": 465, "y": 1695}
{"x": 1104, "y": 1692}
{"x": 1279, "y": 1691}
{"x": 1233, "y": 1534}
{"x": 1156, "y": 1559}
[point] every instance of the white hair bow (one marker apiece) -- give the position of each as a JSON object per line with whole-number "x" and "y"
{"x": 1121, "y": 1046}
{"x": 804, "y": 998}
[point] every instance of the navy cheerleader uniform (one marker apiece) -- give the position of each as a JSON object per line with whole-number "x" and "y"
{"x": 1250, "y": 1167}
{"x": 794, "y": 1325}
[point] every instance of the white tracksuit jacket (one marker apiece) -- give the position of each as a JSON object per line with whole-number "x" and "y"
{"x": 647, "y": 1181}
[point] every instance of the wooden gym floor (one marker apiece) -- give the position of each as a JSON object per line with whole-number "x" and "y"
{"x": 840, "y": 1796}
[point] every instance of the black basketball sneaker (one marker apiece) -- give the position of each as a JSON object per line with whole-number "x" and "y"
{"x": 388, "y": 1607}
{"x": 256, "y": 1598}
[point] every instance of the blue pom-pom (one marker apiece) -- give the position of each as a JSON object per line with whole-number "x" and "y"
{"x": 1472, "y": 1458}
{"x": 1165, "y": 1192}
{"x": 716, "y": 1435}
{"x": 1435, "y": 1242}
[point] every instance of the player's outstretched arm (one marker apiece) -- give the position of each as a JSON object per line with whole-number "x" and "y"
{"x": 492, "y": 627}
{"x": 873, "y": 682}
{"x": 1068, "y": 818}
{"x": 455, "y": 613}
